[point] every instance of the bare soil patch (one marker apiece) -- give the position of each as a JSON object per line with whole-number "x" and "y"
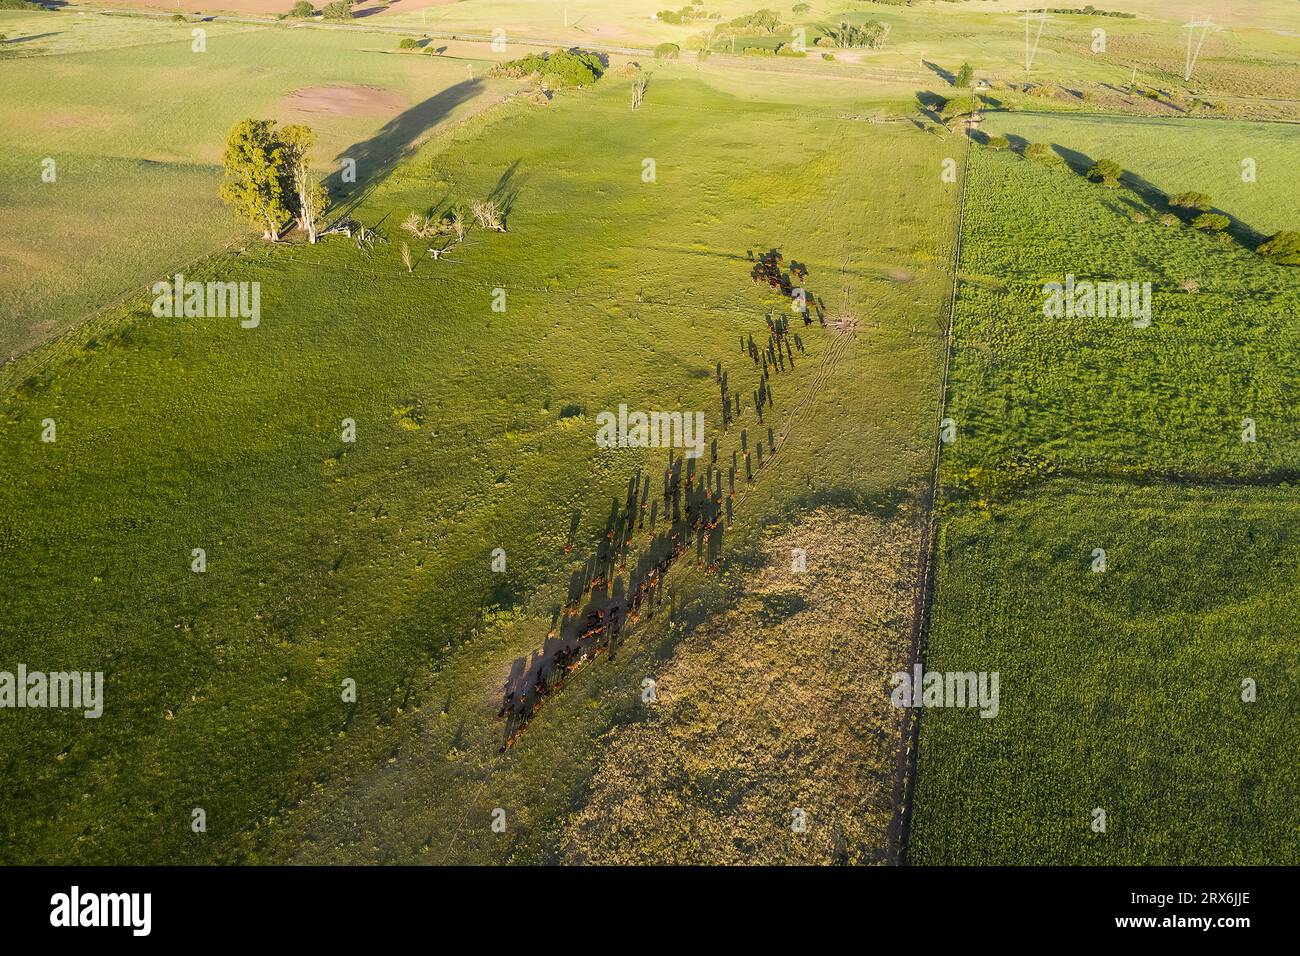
{"x": 345, "y": 101}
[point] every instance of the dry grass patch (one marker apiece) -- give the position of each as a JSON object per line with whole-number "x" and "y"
{"x": 779, "y": 704}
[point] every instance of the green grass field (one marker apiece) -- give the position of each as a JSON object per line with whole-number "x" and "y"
{"x": 1120, "y": 690}
{"x": 330, "y": 561}
{"x": 136, "y": 126}
{"x": 1121, "y": 687}
{"x": 371, "y": 561}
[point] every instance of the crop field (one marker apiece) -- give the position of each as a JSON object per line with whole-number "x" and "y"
{"x": 365, "y": 576}
{"x": 1120, "y": 690}
{"x": 1112, "y": 543}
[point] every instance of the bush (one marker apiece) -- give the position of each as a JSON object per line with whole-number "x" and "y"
{"x": 1169, "y": 219}
{"x": 561, "y": 68}
{"x": 338, "y": 10}
{"x": 1192, "y": 200}
{"x": 758, "y": 51}
{"x": 828, "y": 56}
{"x": 667, "y": 51}
{"x": 1106, "y": 172}
{"x": 409, "y": 43}
{"x": 1043, "y": 153}
{"x": 1282, "y": 249}
{"x": 997, "y": 142}
{"x": 801, "y": 8}
{"x": 1211, "y": 222}
{"x": 786, "y": 49}
{"x": 303, "y": 9}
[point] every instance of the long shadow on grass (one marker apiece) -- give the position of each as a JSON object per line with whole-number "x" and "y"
{"x": 1155, "y": 197}
{"x": 376, "y": 156}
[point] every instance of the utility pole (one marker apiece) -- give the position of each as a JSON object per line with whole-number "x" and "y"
{"x": 1205, "y": 25}
{"x": 1032, "y": 51}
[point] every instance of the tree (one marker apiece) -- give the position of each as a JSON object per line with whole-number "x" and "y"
{"x": 1192, "y": 200}
{"x": 871, "y": 34}
{"x": 1106, "y": 172}
{"x": 312, "y": 198}
{"x": 1283, "y": 248}
{"x": 303, "y": 9}
{"x": 488, "y": 214}
{"x": 338, "y": 10}
{"x": 997, "y": 142}
{"x": 964, "y": 76}
{"x": 256, "y": 182}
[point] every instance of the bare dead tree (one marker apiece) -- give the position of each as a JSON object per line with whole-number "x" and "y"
{"x": 406, "y": 258}
{"x": 488, "y": 214}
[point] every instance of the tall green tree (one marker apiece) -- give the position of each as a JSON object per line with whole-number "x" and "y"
{"x": 965, "y": 75}
{"x": 257, "y": 182}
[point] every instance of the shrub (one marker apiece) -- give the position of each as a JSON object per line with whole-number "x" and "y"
{"x": 959, "y": 106}
{"x": 1192, "y": 200}
{"x": 1169, "y": 219}
{"x": 303, "y": 9}
{"x": 561, "y": 68}
{"x": 1106, "y": 172}
{"x": 667, "y": 51}
{"x": 1043, "y": 153}
{"x": 338, "y": 10}
{"x": 758, "y": 51}
{"x": 828, "y": 56}
{"x": 1283, "y": 249}
{"x": 786, "y": 49}
{"x": 1211, "y": 222}
{"x": 801, "y": 8}
{"x": 997, "y": 142}
{"x": 409, "y": 43}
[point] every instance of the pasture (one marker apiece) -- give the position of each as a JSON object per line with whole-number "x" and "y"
{"x": 397, "y": 487}
{"x": 372, "y": 561}
{"x": 136, "y": 121}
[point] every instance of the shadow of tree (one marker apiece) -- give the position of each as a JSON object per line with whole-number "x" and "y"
{"x": 948, "y": 77}
{"x": 375, "y": 157}
{"x": 1155, "y": 198}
